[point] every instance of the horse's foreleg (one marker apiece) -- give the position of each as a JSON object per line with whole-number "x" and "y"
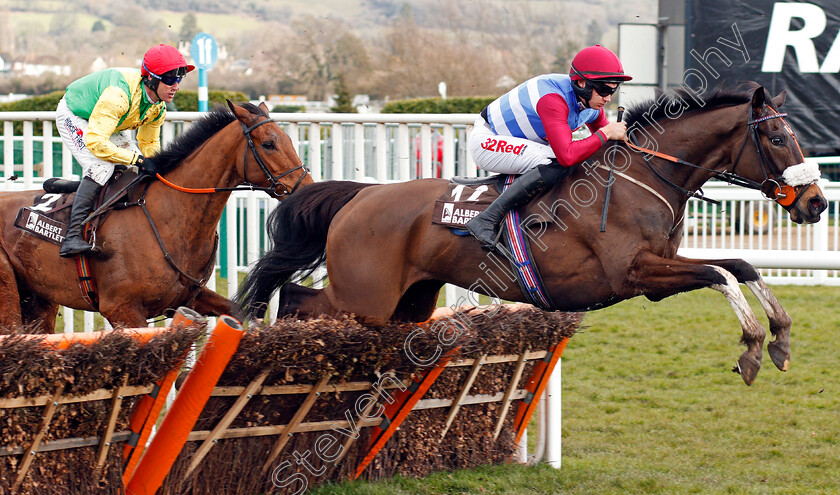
{"x": 658, "y": 278}
{"x": 779, "y": 320}
{"x": 210, "y": 303}
{"x": 126, "y": 314}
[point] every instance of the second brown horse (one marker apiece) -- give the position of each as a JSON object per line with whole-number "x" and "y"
{"x": 134, "y": 279}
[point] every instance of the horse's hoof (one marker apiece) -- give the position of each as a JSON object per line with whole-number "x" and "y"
{"x": 780, "y": 358}
{"x": 747, "y": 366}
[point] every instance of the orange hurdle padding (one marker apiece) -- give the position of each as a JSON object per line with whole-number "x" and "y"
{"x": 535, "y": 386}
{"x": 146, "y": 411}
{"x": 65, "y": 340}
{"x": 181, "y": 417}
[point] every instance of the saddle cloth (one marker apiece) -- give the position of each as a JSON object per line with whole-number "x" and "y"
{"x": 464, "y": 200}
{"x": 461, "y": 202}
{"x": 49, "y": 214}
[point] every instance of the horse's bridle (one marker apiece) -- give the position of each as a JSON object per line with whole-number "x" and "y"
{"x": 773, "y": 188}
{"x": 272, "y": 179}
{"x": 248, "y": 185}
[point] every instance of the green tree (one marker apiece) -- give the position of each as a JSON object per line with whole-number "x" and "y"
{"x": 343, "y": 98}
{"x": 563, "y": 56}
{"x": 593, "y": 33}
{"x": 189, "y": 27}
{"x": 98, "y": 26}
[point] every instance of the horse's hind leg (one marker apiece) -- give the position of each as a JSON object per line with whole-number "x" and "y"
{"x": 305, "y": 301}
{"x": 11, "y": 316}
{"x": 779, "y": 320}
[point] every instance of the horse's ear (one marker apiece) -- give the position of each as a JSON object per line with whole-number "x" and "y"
{"x": 779, "y": 100}
{"x": 264, "y": 107}
{"x": 758, "y": 99}
{"x": 240, "y": 113}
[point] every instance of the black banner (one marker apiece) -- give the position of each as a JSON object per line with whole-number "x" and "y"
{"x": 790, "y": 46}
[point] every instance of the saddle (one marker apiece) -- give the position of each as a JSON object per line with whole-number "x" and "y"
{"x": 48, "y": 216}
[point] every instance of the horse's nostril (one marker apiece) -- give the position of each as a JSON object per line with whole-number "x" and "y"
{"x": 817, "y": 204}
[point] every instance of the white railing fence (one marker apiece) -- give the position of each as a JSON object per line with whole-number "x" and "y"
{"x": 748, "y": 226}
{"x": 398, "y": 147}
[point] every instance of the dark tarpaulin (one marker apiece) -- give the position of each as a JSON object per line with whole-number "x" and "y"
{"x": 813, "y": 98}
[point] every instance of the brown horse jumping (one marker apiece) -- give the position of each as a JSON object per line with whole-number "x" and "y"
{"x": 386, "y": 260}
{"x": 134, "y": 279}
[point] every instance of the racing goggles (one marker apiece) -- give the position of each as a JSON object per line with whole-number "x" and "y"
{"x": 602, "y": 88}
{"x": 171, "y": 77}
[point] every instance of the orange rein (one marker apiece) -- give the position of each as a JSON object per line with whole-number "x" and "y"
{"x": 658, "y": 154}
{"x": 209, "y": 190}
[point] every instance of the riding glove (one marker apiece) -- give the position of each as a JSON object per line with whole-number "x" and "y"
{"x": 147, "y": 166}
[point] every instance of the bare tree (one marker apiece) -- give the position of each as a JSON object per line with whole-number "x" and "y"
{"x": 327, "y": 48}
{"x": 475, "y": 46}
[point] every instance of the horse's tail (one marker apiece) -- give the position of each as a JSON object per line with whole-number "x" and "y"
{"x": 297, "y": 232}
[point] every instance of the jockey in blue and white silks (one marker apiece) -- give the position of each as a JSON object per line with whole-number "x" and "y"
{"x": 515, "y": 113}
{"x": 528, "y": 131}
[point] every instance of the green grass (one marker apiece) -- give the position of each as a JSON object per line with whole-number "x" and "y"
{"x": 650, "y": 406}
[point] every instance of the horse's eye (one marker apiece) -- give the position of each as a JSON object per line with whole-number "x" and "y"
{"x": 269, "y": 145}
{"x": 777, "y": 141}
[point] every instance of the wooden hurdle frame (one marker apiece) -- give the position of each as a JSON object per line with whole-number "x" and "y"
{"x": 50, "y": 404}
{"x": 523, "y": 400}
{"x": 408, "y": 399}
{"x": 145, "y": 415}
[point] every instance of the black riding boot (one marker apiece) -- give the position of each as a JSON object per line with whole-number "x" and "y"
{"x": 527, "y": 186}
{"x": 82, "y": 206}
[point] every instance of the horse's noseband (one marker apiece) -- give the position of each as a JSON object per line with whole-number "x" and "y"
{"x": 274, "y": 180}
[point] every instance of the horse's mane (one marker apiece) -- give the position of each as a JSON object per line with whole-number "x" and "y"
{"x": 198, "y": 133}
{"x": 647, "y": 111}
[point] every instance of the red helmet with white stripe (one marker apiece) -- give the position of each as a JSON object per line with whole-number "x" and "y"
{"x": 596, "y": 63}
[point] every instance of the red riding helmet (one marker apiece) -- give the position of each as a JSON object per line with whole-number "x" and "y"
{"x": 597, "y": 63}
{"x": 162, "y": 59}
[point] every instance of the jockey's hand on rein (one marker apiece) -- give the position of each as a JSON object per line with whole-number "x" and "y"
{"x": 147, "y": 166}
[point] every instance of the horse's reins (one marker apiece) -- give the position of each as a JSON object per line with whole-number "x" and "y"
{"x": 196, "y": 283}
{"x": 274, "y": 180}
